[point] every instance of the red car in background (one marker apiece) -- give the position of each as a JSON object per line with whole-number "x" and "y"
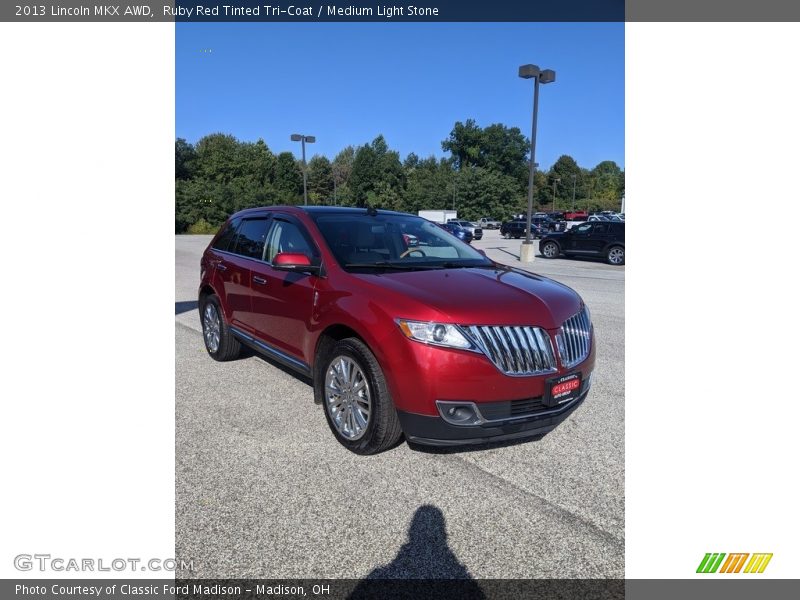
{"x": 431, "y": 340}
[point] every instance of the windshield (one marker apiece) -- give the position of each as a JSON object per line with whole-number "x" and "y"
{"x": 394, "y": 241}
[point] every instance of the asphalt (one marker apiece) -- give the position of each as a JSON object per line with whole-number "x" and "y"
{"x": 264, "y": 490}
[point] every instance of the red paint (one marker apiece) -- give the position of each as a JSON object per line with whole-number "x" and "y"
{"x": 293, "y": 309}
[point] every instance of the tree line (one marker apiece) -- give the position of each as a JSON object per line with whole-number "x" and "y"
{"x": 485, "y": 174}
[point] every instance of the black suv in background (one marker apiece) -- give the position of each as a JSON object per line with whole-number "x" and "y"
{"x": 602, "y": 238}
{"x": 516, "y": 229}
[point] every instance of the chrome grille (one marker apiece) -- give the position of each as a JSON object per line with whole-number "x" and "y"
{"x": 574, "y": 339}
{"x": 515, "y": 350}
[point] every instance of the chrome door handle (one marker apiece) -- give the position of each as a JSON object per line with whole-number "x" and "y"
{"x": 259, "y": 280}
{"x": 221, "y": 267}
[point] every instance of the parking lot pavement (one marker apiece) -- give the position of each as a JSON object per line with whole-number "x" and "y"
{"x": 264, "y": 490}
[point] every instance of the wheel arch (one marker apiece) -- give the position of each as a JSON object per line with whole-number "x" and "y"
{"x": 326, "y": 340}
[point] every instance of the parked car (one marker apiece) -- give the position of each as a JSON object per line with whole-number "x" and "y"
{"x": 436, "y": 342}
{"x": 513, "y": 229}
{"x": 477, "y": 232}
{"x": 597, "y": 218}
{"x": 576, "y": 215}
{"x": 489, "y": 223}
{"x": 516, "y": 229}
{"x": 545, "y": 224}
{"x": 462, "y": 233}
{"x": 601, "y": 238}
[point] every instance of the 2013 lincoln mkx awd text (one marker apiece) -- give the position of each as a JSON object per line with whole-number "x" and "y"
{"x": 431, "y": 340}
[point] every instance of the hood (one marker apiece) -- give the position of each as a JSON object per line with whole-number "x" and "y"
{"x": 476, "y": 296}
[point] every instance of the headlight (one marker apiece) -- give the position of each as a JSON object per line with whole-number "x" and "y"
{"x": 438, "y": 334}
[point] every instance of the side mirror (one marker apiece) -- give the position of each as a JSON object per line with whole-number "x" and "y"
{"x": 294, "y": 261}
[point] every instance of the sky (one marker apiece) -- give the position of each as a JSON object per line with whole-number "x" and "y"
{"x": 345, "y": 83}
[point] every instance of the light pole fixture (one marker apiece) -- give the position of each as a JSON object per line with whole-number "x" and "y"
{"x": 574, "y": 184}
{"x": 555, "y": 181}
{"x": 539, "y": 76}
{"x": 304, "y": 139}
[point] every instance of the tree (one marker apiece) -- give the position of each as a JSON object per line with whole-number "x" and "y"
{"x": 320, "y": 180}
{"x": 341, "y": 167}
{"x": 184, "y": 159}
{"x": 288, "y": 179}
{"x": 564, "y": 169}
{"x": 497, "y": 147}
{"x": 608, "y": 185}
{"x": 218, "y": 158}
{"x": 377, "y": 174}
{"x": 464, "y": 143}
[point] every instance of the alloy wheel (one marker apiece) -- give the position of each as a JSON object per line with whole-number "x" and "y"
{"x": 616, "y": 256}
{"x": 347, "y": 397}
{"x": 211, "y": 327}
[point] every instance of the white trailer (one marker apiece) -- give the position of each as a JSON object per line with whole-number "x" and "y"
{"x": 438, "y": 216}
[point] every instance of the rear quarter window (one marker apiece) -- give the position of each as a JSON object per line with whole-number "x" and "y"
{"x": 251, "y": 237}
{"x": 223, "y": 241}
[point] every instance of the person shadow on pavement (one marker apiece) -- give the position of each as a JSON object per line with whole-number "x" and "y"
{"x": 425, "y": 566}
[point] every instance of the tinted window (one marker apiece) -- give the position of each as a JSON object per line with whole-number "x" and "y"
{"x": 250, "y": 238}
{"x": 223, "y": 242}
{"x": 600, "y": 229}
{"x": 583, "y": 228}
{"x": 286, "y": 237}
{"x": 359, "y": 240}
{"x": 618, "y": 228}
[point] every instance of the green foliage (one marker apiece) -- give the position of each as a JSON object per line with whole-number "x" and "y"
{"x": 485, "y": 176}
{"x": 202, "y": 227}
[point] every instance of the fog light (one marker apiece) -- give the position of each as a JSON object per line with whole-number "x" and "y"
{"x": 459, "y": 413}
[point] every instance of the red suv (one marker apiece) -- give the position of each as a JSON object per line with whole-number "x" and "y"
{"x": 431, "y": 340}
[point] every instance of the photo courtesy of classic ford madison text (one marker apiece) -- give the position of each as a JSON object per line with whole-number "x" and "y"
{"x": 399, "y": 274}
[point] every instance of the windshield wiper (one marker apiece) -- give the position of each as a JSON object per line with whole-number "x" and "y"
{"x": 387, "y": 265}
{"x": 455, "y": 265}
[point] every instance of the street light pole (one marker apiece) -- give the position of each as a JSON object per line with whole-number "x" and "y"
{"x": 555, "y": 181}
{"x": 538, "y": 76}
{"x": 296, "y": 137}
{"x": 574, "y": 183}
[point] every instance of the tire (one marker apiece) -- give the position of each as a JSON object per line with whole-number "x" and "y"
{"x": 616, "y": 255}
{"x": 223, "y": 346}
{"x": 380, "y": 429}
{"x": 550, "y": 250}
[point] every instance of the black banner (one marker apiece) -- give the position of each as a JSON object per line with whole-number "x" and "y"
{"x": 411, "y": 11}
{"x": 733, "y": 588}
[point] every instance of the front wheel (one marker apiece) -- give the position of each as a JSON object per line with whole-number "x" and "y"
{"x": 616, "y": 255}
{"x": 358, "y": 407}
{"x": 550, "y": 250}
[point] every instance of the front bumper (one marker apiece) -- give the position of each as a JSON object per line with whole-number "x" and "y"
{"x": 435, "y": 431}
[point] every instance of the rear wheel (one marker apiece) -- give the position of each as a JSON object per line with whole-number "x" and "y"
{"x": 616, "y": 255}
{"x": 358, "y": 407}
{"x": 550, "y": 250}
{"x": 220, "y": 343}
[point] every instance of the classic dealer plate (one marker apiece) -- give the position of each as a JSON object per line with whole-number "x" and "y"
{"x": 562, "y": 389}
